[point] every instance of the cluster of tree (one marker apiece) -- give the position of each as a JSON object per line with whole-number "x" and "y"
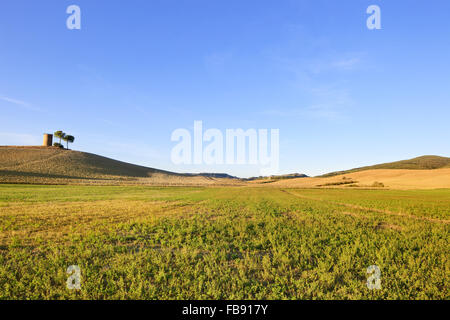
{"x": 63, "y": 136}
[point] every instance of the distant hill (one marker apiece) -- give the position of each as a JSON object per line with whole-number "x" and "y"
{"x": 54, "y": 165}
{"x": 419, "y": 163}
{"x": 278, "y": 177}
{"x": 214, "y": 175}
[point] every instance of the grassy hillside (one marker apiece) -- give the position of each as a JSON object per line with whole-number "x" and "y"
{"x": 54, "y": 165}
{"x": 419, "y": 163}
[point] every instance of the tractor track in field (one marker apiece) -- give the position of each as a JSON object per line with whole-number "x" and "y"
{"x": 353, "y": 206}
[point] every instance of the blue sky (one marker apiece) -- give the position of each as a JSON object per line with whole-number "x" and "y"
{"x": 341, "y": 95}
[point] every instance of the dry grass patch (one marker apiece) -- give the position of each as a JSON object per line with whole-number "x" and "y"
{"x": 55, "y": 221}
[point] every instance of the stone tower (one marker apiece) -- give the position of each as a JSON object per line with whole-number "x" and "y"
{"x": 48, "y": 140}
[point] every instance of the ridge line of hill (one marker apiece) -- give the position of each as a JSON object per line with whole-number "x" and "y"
{"x": 427, "y": 162}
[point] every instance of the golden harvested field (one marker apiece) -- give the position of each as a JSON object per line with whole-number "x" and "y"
{"x": 390, "y": 178}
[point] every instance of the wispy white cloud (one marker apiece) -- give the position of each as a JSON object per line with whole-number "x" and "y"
{"x": 327, "y": 111}
{"x": 320, "y": 83}
{"x": 15, "y": 101}
{"x": 328, "y": 102}
{"x": 346, "y": 64}
{"x": 324, "y": 111}
{"x": 20, "y": 103}
{"x": 335, "y": 64}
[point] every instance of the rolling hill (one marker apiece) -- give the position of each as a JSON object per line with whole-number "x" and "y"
{"x": 426, "y": 172}
{"x": 54, "y": 165}
{"x": 376, "y": 178}
{"x": 419, "y": 163}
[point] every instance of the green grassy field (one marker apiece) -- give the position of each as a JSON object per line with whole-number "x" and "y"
{"x": 222, "y": 243}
